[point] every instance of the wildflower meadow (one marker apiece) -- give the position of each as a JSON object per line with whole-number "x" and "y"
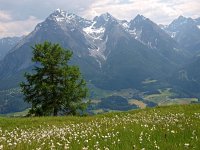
{"x": 169, "y": 128}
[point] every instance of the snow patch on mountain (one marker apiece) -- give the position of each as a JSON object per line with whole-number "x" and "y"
{"x": 97, "y": 40}
{"x": 61, "y": 16}
{"x": 97, "y": 53}
{"x": 198, "y": 26}
{"x": 97, "y": 49}
{"x": 60, "y": 11}
{"x": 177, "y": 50}
{"x": 93, "y": 32}
{"x": 133, "y": 32}
{"x": 106, "y": 17}
{"x": 125, "y": 25}
{"x": 163, "y": 27}
{"x": 173, "y": 34}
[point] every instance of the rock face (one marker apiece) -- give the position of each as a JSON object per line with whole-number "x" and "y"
{"x": 112, "y": 53}
{"x": 186, "y": 31}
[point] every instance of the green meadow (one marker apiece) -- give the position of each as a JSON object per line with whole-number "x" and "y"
{"x": 174, "y": 127}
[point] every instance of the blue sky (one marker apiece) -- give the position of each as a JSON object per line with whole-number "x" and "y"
{"x": 19, "y": 17}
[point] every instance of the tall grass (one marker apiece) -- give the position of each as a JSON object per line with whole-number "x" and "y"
{"x": 171, "y": 128}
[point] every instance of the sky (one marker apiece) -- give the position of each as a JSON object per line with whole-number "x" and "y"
{"x": 19, "y": 17}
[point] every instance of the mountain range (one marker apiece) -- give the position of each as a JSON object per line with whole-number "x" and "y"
{"x": 6, "y": 44}
{"x": 114, "y": 54}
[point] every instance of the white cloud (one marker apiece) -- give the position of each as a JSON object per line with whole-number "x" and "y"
{"x": 160, "y": 11}
{"x": 5, "y": 16}
{"x": 190, "y": 8}
{"x": 15, "y": 15}
{"x": 18, "y": 28}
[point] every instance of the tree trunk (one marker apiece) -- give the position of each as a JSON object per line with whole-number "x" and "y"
{"x": 55, "y": 111}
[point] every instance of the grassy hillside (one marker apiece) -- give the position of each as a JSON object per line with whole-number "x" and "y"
{"x": 171, "y": 127}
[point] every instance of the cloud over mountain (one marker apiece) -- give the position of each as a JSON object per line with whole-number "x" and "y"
{"x": 15, "y": 14}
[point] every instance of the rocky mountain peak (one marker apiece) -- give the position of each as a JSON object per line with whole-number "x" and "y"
{"x": 180, "y": 22}
{"x": 104, "y": 19}
{"x": 139, "y": 18}
{"x": 62, "y": 16}
{"x": 106, "y": 16}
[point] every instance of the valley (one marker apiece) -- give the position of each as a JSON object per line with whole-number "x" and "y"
{"x": 99, "y": 75}
{"x": 136, "y": 63}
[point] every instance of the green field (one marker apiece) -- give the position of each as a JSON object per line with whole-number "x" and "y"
{"x": 170, "y": 128}
{"x": 164, "y": 98}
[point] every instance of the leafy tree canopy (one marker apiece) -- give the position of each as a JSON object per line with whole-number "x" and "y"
{"x": 54, "y": 87}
